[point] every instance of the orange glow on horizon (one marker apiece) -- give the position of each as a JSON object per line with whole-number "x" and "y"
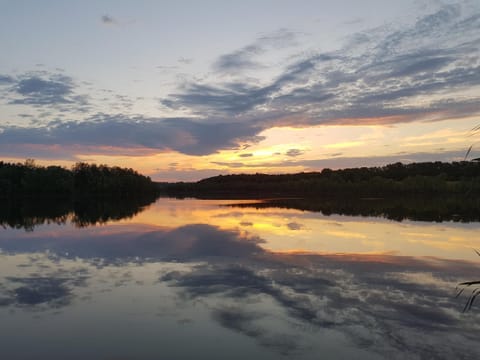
{"x": 282, "y": 150}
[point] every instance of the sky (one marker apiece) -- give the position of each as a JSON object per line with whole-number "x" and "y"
{"x": 182, "y": 90}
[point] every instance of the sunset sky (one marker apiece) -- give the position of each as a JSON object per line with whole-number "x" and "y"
{"x": 182, "y": 90}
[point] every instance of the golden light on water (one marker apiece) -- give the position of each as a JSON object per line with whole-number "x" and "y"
{"x": 288, "y": 230}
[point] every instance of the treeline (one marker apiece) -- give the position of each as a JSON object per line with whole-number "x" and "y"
{"x": 28, "y": 180}
{"x": 428, "y": 178}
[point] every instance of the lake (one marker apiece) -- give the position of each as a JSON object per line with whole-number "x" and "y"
{"x": 236, "y": 279}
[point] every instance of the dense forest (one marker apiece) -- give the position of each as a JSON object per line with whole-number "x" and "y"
{"x": 28, "y": 180}
{"x": 428, "y": 178}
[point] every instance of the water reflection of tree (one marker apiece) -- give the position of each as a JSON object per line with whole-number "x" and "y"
{"x": 100, "y": 211}
{"x": 28, "y": 213}
{"x": 394, "y": 208}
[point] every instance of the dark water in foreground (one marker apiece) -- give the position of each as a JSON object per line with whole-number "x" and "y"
{"x": 196, "y": 279}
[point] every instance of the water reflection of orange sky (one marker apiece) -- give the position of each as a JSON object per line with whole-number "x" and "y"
{"x": 288, "y": 230}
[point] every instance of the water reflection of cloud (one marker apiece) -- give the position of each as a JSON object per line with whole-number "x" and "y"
{"x": 382, "y": 303}
{"x": 249, "y": 323}
{"x": 366, "y": 297}
{"x": 41, "y": 291}
{"x": 294, "y": 226}
{"x": 185, "y": 243}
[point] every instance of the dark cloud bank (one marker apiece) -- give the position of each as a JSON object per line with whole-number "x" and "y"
{"x": 127, "y": 134}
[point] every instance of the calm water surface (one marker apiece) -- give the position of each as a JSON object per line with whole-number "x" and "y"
{"x": 204, "y": 279}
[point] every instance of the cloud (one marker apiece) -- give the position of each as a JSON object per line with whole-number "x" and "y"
{"x": 282, "y": 38}
{"x": 381, "y": 76}
{"x": 239, "y": 60}
{"x": 230, "y": 164}
{"x": 120, "y": 132}
{"x": 294, "y": 152}
{"x": 42, "y": 89}
{"x": 244, "y": 58}
{"x": 425, "y": 70}
{"x": 108, "y": 20}
{"x": 237, "y": 98}
{"x": 184, "y": 60}
{"x": 37, "y": 91}
{"x": 232, "y": 98}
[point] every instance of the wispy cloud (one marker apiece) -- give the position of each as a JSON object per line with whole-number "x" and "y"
{"x": 245, "y": 58}
{"x": 377, "y": 77}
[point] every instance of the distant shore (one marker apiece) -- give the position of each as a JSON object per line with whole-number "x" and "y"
{"x": 415, "y": 179}
{"x": 395, "y": 180}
